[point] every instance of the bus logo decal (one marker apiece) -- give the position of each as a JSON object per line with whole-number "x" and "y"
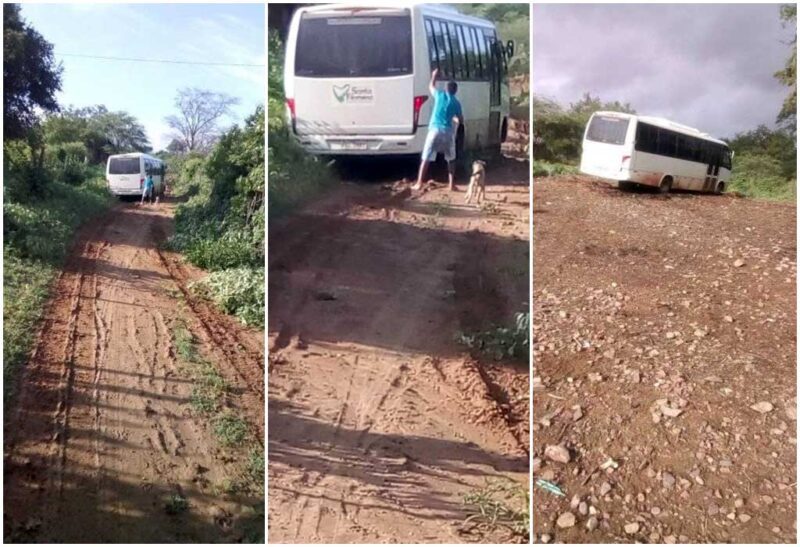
{"x": 353, "y": 94}
{"x": 341, "y": 92}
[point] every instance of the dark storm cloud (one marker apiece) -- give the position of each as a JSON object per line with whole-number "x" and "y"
{"x": 709, "y": 66}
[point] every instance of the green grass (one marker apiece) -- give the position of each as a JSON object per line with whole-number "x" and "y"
{"x": 236, "y": 291}
{"x": 500, "y": 504}
{"x": 37, "y": 235}
{"x": 230, "y": 429}
{"x": 502, "y": 342}
{"x": 548, "y": 169}
{"x": 176, "y": 504}
{"x": 294, "y": 176}
{"x": 209, "y": 396}
{"x": 763, "y": 187}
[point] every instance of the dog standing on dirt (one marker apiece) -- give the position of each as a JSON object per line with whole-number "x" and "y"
{"x": 477, "y": 182}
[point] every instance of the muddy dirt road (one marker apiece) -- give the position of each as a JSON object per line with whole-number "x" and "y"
{"x": 664, "y": 340}
{"x": 103, "y": 439}
{"x": 379, "y": 421}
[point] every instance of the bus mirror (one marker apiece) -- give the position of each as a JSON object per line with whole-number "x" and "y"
{"x": 510, "y": 48}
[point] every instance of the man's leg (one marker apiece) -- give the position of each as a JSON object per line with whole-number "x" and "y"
{"x": 451, "y": 174}
{"x": 423, "y": 169}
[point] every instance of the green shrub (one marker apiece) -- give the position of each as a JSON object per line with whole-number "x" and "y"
{"x": 548, "y": 169}
{"x": 762, "y": 176}
{"x": 294, "y": 176}
{"x": 503, "y": 342}
{"x": 41, "y": 229}
{"x": 37, "y": 234}
{"x": 230, "y": 429}
{"x": 237, "y": 291}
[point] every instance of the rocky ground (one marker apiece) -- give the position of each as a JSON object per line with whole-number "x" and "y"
{"x": 664, "y": 366}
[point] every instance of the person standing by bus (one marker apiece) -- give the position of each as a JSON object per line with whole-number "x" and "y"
{"x": 148, "y": 190}
{"x": 442, "y": 130}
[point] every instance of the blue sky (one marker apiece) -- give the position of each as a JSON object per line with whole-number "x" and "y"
{"x": 219, "y": 33}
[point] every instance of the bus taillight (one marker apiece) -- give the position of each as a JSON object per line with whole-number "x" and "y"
{"x": 419, "y": 100}
{"x": 290, "y": 106}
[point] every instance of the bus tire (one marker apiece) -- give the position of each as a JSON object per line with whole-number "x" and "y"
{"x": 504, "y": 130}
{"x": 666, "y": 185}
{"x": 720, "y": 187}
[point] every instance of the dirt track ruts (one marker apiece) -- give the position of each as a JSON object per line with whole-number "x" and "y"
{"x": 379, "y": 421}
{"x": 103, "y": 435}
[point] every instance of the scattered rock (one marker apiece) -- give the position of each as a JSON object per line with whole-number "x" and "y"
{"x": 591, "y": 523}
{"x": 605, "y": 488}
{"x": 557, "y": 453}
{"x": 632, "y": 528}
{"x": 566, "y": 520}
{"x": 763, "y": 407}
{"x": 667, "y": 480}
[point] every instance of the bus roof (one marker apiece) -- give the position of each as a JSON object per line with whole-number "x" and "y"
{"x": 135, "y": 155}
{"x": 666, "y": 124}
{"x": 440, "y": 10}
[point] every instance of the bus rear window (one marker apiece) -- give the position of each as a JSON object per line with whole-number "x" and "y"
{"x": 361, "y": 46}
{"x": 607, "y": 129}
{"x": 123, "y": 166}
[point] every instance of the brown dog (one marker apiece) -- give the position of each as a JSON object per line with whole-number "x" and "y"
{"x": 477, "y": 183}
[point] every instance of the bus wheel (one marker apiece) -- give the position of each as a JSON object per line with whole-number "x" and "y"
{"x": 666, "y": 185}
{"x": 720, "y": 188}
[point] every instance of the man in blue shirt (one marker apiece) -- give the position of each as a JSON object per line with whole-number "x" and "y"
{"x": 442, "y": 130}
{"x": 148, "y": 190}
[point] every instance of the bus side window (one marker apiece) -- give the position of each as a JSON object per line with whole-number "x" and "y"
{"x": 462, "y": 44}
{"x": 433, "y": 56}
{"x": 667, "y": 142}
{"x": 479, "y": 52}
{"x": 474, "y": 73}
{"x": 458, "y": 72}
{"x": 443, "y": 50}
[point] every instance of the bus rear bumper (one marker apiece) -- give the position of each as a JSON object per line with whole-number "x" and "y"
{"x": 125, "y": 192}
{"x": 363, "y": 145}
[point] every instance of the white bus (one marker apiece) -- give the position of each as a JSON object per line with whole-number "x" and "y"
{"x": 356, "y": 77}
{"x": 125, "y": 174}
{"x": 654, "y": 152}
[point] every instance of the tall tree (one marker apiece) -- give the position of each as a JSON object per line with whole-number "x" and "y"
{"x": 788, "y": 76}
{"x": 199, "y": 112}
{"x": 31, "y": 76}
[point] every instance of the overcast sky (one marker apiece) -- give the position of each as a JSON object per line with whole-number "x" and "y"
{"x": 708, "y": 66}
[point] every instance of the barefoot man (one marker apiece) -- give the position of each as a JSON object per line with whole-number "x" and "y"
{"x": 442, "y": 130}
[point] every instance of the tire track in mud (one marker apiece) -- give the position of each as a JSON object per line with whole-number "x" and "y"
{"x": 378, "y": 424}
{"x": 102, "y": 433}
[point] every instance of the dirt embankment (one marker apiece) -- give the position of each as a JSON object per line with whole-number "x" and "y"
{"x": 379, "y": 421}
{"x": 664, "y": 348}
{"x": 103, "y": 442}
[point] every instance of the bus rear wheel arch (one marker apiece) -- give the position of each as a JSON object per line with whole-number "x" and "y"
{"x": 720, "y": 187}
{"x": 666, "y": 185}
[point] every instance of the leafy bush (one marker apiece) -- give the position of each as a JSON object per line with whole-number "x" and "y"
{"x": 294, "y": 176}
{"x": 41, "y": 229}
{"x": 762, "y": 176}
{"x": 37, "y": 234}
{"x": 238, "y": 291}
{"x": 503, "y": 342}
{"x": 547, "y": 169}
